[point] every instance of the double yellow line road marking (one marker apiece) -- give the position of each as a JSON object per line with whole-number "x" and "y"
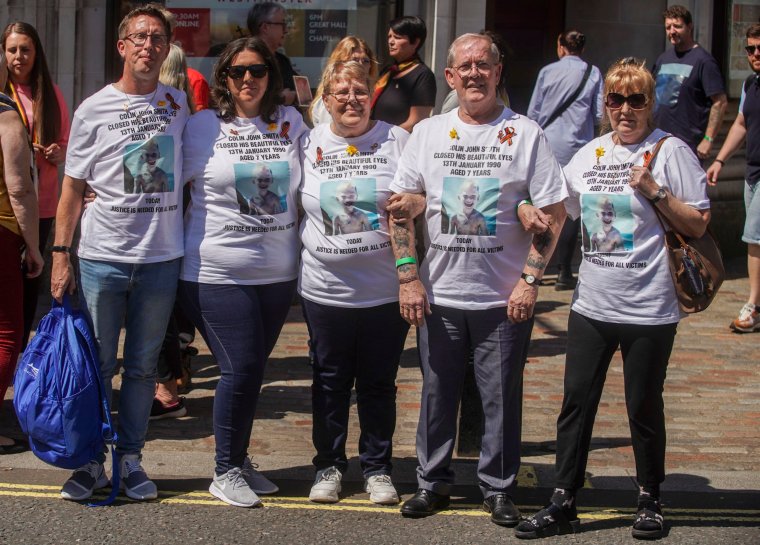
{"x": 166, "y": 497}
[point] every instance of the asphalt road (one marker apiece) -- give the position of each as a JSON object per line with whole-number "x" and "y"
{"x": 33, "y": 513}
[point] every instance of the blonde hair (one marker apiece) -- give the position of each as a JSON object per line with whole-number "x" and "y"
{"x": 342, "y": 54}
{"x": 629, "y": 74}
{"x": 174, "y": 73}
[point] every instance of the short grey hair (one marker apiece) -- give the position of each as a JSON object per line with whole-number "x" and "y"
{"x": 470, "y": 36}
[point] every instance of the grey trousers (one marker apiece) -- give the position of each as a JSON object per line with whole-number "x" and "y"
{"x": 499, "y": 349}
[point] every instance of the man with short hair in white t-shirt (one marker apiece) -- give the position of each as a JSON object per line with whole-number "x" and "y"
{"x": 481, "y": 284}
{"x": 126, "y": 144}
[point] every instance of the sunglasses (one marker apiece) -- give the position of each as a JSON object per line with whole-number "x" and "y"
{"x": 257, "y": 71}
{"x": 751, "y": 49}
{"x": 615, "y": 101}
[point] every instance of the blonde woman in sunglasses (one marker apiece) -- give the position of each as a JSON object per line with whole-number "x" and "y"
{"x": 625, "y": 297}
{"x": 239, "y": 274}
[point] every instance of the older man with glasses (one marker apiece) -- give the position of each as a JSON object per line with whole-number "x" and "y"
{"x": 269, "y": 21}
{"x": 131, "y": 242}
{"x": 476, "y": 289}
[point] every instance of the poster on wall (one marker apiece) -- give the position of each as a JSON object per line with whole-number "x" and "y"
{"x": 205, "y": 27}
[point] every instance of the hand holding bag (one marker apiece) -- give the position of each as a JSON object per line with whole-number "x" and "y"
{"x": 696, "y": 264}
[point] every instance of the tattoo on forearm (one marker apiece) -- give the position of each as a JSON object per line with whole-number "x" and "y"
{"x": 541, "y": 241}
{"x": 537, "y": 262}
{"x": 401, "y": 241}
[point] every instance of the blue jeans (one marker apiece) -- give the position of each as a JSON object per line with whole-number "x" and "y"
{"x": 240, "y": 324}
{"x": 358, "y": 347}
{"x": 751, "y": 233}
{"x": 141, "y": 296}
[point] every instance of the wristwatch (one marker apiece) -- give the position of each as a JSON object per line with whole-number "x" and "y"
{"x": 659, "y": 196}
{"x": 530, "y": 279}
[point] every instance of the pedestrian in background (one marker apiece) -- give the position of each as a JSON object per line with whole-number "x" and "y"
{"x": 46, "y": 117}
{"x": 567, "y": 103}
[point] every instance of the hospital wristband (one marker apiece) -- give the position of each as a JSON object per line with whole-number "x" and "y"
{"x": 405, "y": 261}
{"x": 522, "y": 202}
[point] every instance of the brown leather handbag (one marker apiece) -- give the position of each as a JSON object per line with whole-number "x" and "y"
{"x": 696, "y": 264}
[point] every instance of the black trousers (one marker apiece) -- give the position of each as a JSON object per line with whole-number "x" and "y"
{"x": 591, "y": 345}
{"x": 32, "y": 285}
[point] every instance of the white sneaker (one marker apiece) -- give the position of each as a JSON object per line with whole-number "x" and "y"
{"x": 232, "y": 488}
{"x": 256, "y": 480}
{"x": 84, "y": 481}
{"x": 134, "y": 480}
{"x": 381, "y": 490}
{"x": 326, "y": 486}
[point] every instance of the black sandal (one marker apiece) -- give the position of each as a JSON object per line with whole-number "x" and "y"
{"x": 649, "y": 522}
{"x": 552, "y": 520}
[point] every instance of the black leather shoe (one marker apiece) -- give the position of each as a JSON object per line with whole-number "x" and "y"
{"x": 424, "y": 503}
{"x": 503, "y": 511}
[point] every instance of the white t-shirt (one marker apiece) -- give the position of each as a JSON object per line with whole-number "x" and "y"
{"x": 474, "y": 176}
{"x": 128, "y": 148}
{"x": 347, "y": 260}
{"x": 240, "y": 227}
{"x": 624, "y": 276}
{"x": 319, "y": 113}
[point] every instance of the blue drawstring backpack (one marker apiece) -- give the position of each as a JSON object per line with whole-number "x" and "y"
{"x": 58, "y": 394}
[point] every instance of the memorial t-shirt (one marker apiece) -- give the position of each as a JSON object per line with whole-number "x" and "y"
{"x": 347, "y": 260}
{"x": 128, "y": 148}
{"x": 241, "y": 225}
{"x": 624, "y": 276}
{"x": 473, "y": 177}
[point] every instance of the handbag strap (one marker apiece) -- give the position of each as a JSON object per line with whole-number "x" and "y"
{"x": 565, "y": 105}
{"x": 649, "y": 158}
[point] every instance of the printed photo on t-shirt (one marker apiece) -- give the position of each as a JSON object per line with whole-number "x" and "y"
{"x": 608, "y": 223}
{"x": 670, "y": 78}
{"x": 469, "y": 206}
{"x": 349, "y": 206}
{"x": 262, "y": 188}
{"x": 149, "y": 166}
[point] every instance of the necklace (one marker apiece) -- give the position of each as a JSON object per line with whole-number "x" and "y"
{"x": 139, "y": 115}
{"x": 630, "y": 154}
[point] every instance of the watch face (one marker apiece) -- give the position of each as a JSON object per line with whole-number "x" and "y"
{"x": 530, "y": 279}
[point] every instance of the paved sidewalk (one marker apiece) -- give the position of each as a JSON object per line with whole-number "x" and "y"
{"x": 712, "y": 398}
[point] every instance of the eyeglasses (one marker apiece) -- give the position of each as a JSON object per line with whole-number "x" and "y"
{"x": 751, "y": 49}
{"x": 283, "y": 24}
{"x": 257, "y": 71}
{"x": 615, "y": 101}
{"x": 482, "y": 67}
{"x": 139, "y": 39}
{"x": 359, "y": 96}
{"x": 362, "y": 60}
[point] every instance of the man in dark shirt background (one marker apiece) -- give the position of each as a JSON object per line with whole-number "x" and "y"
{"x": 268, "y": 21}
{"x": 691, "y": 96}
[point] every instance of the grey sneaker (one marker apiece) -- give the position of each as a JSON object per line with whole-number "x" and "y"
{"x": 134, "y": 480}
{"x": 326, "y": 486}
{"x": 381, "y": 490}
{"x": 257, "y": 481}
{"x": 232, "y": 488}
{"x": 84, "y": 481}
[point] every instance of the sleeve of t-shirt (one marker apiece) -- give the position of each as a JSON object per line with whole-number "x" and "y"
{"x": 741, "y": 100}
{"x": 408, "y": 178}
{"x": 683, "y": 174}
{"x": 424, "y": 89}
{"x": 597, "y": 105}
{"x": 547, "y": 184}
{"x": 712, "y": 80}
{"x": 201, "y": 132}
{"x": 573, "y": 201}
{"x": 82, "y": 151}
{"x": 305, "y": 144}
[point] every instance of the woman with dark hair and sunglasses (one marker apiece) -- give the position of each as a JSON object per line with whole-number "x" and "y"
{"x": 239, "y": 273}
{"x": 44, "y": 113}
{"x": 404, "y": 94}
{"x": 625, "y": 296}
